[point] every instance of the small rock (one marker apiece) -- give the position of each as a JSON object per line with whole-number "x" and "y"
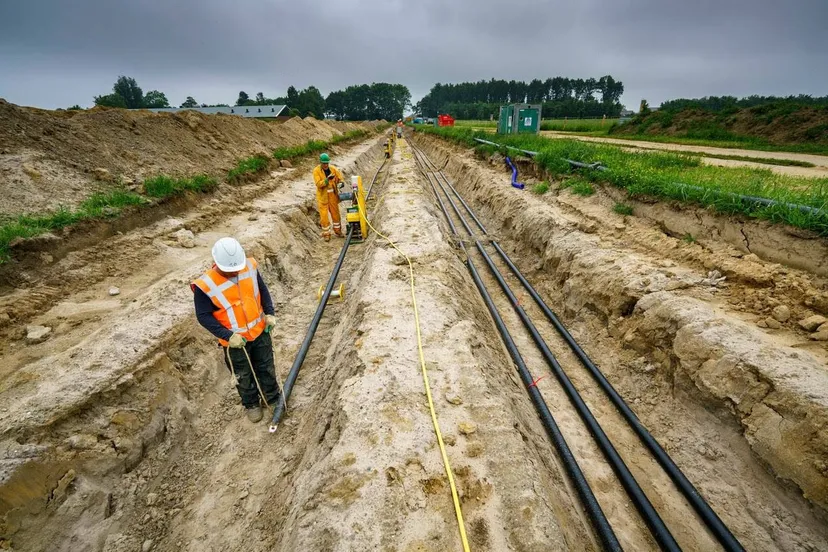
{"x": 82, "y": 442}
{"x": 823, "y": 328}
{"x": 5, "y": 319}
{"x": 450, "y": 440}
{"x": 587, "y": 227}
{"x": 152, "y": 498}
{"x": 102, "y": 174}
{"x": 772, "y": 323}
{"x": 762, "y": 324}
{"x": 37, "y": 334}
{"x": 454, "y": 399}
{"x": 819, "y": 336}
{"x": 673, "y": 285}
{"x": 812, "y": 322}
{"x": 285, "y": 163}
{"x": 113, "y": 291}
{"x": 467, "y": 428}
{"x": 147, "y": 546}
{"x": 185, "y": 238}
{"x": 46, "y": 258}
{"x": 244, "y": 494}
{"x": 620, "y": 227}
{"x": 781, "y": 313}
{"x": 253, "y": 217}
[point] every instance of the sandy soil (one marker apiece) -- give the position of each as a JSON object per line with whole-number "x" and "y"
{"x": 121, "y": 432}
{"x": 820, "y": 170}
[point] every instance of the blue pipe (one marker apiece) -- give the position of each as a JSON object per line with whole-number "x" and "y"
{"x": 515, "y": 183}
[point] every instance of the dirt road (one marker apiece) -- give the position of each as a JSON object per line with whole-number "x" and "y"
{"x": 820, "y": 170}
{"x": 121, "y": 431}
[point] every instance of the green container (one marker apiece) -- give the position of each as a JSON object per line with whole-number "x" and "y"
{"x": 528, "y": 121}
{"x": 519, "y": 119}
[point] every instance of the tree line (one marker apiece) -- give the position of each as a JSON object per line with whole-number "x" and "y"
{"x": 355, "y": 103}
{"x": 560, "y": 97}
{"x": 725, "y": 103}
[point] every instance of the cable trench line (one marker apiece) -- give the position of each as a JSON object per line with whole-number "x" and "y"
{"x": 446, "y": 464}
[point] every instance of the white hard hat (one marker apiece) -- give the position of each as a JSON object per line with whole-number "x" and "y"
{"x": 229, "y": 255}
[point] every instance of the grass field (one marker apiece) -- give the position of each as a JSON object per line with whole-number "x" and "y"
{"x": 747, "y": 143}
{"x": 562, "y": 125}
{"x": 672, "y": 176}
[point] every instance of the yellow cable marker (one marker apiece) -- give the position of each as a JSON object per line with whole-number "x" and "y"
{"x": 455, "y": 497}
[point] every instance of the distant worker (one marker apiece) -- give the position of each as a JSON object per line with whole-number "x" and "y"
{"x": 233, "y": 303}
{"x": 388, "y": 149}
{"x": 328, "y": 180}
{"x": 399, "y": 128}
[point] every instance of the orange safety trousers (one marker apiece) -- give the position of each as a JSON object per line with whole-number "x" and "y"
{"x": 329, "y": 215}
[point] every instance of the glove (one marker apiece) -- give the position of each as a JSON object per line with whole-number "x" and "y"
{"x": 236, "y": 341}
{"x": 270, "y": 322}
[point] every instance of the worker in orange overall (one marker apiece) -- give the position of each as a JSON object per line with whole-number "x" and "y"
{"x": 399, "y": 128}
{"x": 328, "y": 180}
{"x": 233, "y": 303}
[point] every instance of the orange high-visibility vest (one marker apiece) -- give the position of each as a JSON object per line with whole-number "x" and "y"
{"x": 239, "y": 303}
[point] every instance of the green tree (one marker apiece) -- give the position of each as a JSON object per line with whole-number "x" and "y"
{"x": 75, "y": 107}
{"x": 110, "y": 100}
{"x": 243, "y": 98}
{"x": 128, "y": 89}
{"x": 156, "y": 99}
{"x": 189, "y": 102}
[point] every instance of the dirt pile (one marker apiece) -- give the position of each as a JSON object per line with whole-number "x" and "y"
{"x": 53, "y": 158}
{"x": 781, "y": 124}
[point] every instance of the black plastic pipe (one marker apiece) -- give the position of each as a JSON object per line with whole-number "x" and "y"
{"x": 702, "y": 508}
{"x": 602, "y": 527}
{"x": 287, "y": 388}
{"x": 648, "y": 513}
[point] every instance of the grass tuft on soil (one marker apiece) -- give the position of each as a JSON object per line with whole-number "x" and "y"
{"x": 97, "y": 206}
{"x": 541, "y": 188}
{"x": 167, "y": 186}
{"x": 623, "y": 209}
{"x": 248, "y": 166}
{"x": 673, "y": 176}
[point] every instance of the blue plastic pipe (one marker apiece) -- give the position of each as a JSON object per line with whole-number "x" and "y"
{"x": 515, "y": 183}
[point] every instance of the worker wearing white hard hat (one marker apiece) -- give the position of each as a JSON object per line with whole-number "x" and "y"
{"x": 233, "y": 303}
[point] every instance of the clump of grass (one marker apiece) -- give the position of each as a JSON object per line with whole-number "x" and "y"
{"x": 166, "y": 186}
{"x": 689, "y": 238}
{"x": 582, "y": 188}
{"x": 541, "y": 188}
{"x": 316, "y": 146}
{"x": 623, "y": 209}
{"x": 97, "y": 206}
{"x": 674, "y": 176}
{"x": 249, "y": 165}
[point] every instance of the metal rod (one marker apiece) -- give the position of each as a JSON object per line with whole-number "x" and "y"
{"x": 702, "y": 508}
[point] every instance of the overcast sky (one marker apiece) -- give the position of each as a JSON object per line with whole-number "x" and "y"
{"x": 55, "y": 53}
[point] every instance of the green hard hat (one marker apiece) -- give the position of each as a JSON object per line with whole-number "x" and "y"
{"x": 324, "y": 158}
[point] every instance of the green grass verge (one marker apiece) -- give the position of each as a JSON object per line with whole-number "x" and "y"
{"x": 541, "y": 188}
{"x": 623, "y": 209}
{"x": 674, "y": 176}
{"x": 738, "y": 142}
{"x": 579, "y": 125}
{"x": 316, "y": 146}
{"x": 97, "y": 206}
{"x": 248, "y": 166}
{"x": 166, "y": 186}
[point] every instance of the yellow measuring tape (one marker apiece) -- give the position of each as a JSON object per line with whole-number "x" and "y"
{"x": 457, "y": 510}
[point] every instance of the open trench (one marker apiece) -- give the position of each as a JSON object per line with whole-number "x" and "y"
{"x": 122, "y": 431}
{"x": 702, "y": 381}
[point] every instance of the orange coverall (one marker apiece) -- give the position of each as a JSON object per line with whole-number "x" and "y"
{"x": 327, "y": 199}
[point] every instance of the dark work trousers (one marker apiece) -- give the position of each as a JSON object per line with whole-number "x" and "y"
{"x": 261, "y": 355}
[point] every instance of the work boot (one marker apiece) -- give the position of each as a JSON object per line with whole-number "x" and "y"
{"x": 326, "y": 238}
{"x": 340, "y": 235}
{"x": 254, "y": 414}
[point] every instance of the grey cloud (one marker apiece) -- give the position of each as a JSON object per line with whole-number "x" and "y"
{"x": 55, "y": 53}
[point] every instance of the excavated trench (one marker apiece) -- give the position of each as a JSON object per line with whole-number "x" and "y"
{"x": 740, "y": 411}
{"x": 123, "y": 390}
{"x": 122, "y": 432}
